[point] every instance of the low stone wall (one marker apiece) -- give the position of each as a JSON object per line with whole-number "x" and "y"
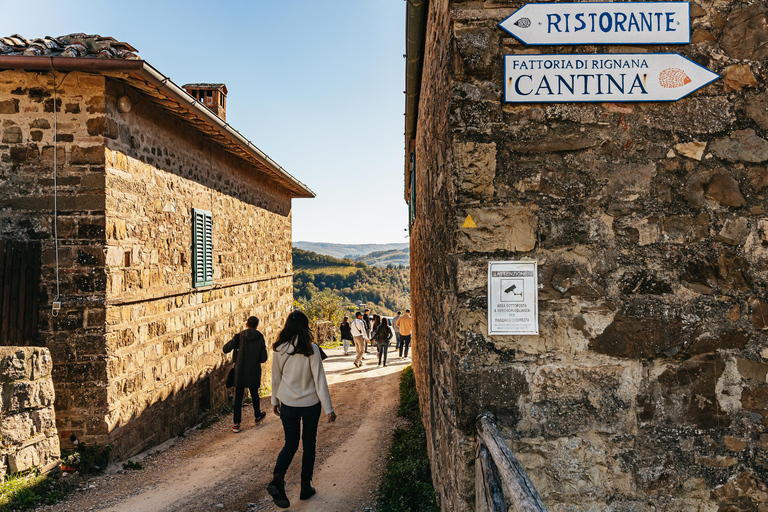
{"x": 28, "y": 436}
{"x": 325, "y": 332}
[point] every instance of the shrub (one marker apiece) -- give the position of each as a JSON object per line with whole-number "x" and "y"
{"x": 407, "y": 484}
{"x": 24, "y": 491}
{"x": 89, "y": 459}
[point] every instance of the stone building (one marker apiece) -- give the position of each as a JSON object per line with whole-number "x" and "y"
{"x": 645, "y": 388}
{"x": 159, "y": 230}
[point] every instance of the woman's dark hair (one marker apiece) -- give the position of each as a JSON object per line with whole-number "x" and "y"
{"x": 346, "y": 319}
{"x": 296, "y": 326}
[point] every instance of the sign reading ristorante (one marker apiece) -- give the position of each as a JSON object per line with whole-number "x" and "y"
{"x": 601, "y": 23}
{"x": 601, "y": 77}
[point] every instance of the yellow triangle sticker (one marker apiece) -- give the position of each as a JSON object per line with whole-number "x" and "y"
{"x": 469, "y": 223}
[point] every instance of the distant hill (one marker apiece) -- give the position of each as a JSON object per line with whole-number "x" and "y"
{"x": 348, "y": 250}
{"x": 384, "y": 289}
{"x": 395, "y": 257}
{"x": 316, "y": 263}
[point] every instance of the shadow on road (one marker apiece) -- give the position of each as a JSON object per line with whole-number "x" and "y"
{"x": 367, "y": 367}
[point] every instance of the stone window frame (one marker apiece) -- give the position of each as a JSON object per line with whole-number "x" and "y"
{"x": 202, "y": 248}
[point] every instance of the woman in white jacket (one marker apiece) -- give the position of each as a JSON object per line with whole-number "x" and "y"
{"x": 299, "y": 388}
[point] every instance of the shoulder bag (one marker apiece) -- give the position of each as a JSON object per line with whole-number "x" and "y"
{"x": 231, "y": 374}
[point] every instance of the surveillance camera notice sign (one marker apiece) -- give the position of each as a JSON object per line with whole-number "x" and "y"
{"x": 513, "y": 297}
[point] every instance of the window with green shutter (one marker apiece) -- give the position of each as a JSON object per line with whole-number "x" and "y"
{"x": 202, "y": 248}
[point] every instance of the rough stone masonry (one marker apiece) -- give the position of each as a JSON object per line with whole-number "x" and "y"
{"x": 28, "y": 436}
{"x": 646, "y": 389}
{"x": 136, "y": 349}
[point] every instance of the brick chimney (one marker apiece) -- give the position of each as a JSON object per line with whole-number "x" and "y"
{"x": 213, "y": 96}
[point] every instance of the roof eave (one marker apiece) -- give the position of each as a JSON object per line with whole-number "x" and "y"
{"x": 415, "y": 34}
{"x": 296, "y": 188}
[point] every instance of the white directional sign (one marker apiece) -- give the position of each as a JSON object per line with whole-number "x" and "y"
{"x": 613, "y": 77}
{"x": 513, "y": 297}
{"x": 601, "y": 23}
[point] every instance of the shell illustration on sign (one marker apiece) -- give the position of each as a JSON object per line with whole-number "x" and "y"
{"x": 523, "y": 23}
{"x": 673, "y": 77}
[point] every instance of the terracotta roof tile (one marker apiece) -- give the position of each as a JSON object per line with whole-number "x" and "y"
{"x": 72, "y": 45}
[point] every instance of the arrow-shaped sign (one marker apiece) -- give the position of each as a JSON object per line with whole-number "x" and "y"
{"x": 601, "y": 23}
{"x": 601, "y": 77}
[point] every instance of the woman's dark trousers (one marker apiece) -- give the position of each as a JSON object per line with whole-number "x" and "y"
{"x": 239, "y": 393}
{"x": 383, "y": 348}
{"x": 292, "y": 417}
{"x": 405, "y": 346}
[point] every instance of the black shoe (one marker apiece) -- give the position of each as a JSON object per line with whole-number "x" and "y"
{"x": 260, "y": 417}
{"x": 276, "y": 489}
{"x": 307, "y": 491}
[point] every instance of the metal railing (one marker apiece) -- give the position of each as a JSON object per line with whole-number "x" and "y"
{"x": 499, "y": 477}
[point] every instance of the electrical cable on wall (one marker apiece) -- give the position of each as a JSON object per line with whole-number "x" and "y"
{"x": 56, "y": 306}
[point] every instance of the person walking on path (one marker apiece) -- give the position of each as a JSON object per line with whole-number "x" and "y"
{"x": 376, "y": 323}
{"x": 383, "y": 335}
{"x": 250, "y": 352}
{"x": 346, "y": 334}
{"x": 406, "y": 328}
{"x": 367, "y": 319}
{"x": 360, "y": 336}
{"x": 299, "y": 388}
{"x": 398, "y": 338}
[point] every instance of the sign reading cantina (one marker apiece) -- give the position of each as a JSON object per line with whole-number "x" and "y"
{"x": 601, "y": 77}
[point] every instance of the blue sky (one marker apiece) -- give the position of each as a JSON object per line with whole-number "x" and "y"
{"x": 318, "y": 86}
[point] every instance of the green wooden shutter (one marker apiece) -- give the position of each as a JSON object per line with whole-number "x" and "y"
{"x": 208, "y": 249}
{"x": 202, "y": 248}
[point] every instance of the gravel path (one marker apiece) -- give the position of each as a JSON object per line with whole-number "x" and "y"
{"x": 213, "y": 469}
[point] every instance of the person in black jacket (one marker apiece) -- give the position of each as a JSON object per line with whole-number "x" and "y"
{"x": 382, "y": 335}
{"x": 346, "y": 334}
{"x": 367, "y": 319}
{"x": 250, "y": 353}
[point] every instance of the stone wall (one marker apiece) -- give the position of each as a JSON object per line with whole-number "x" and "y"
{"x": 433, "y": 267}
{"x": 75, "y": 337}
{"x": 164, "y": 338}
{"x": 28, "y": 435}
{"x": 646, "y": 388}
{"x": 136, "y": 349}
{"x": 325, "y": 332}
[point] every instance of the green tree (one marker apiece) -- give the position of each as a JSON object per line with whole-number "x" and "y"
{"x": 325, "y": 305}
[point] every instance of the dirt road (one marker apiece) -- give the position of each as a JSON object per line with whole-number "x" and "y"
{"x": 213, "y": 469}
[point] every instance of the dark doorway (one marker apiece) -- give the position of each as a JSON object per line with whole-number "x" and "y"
{"x": 19, "y": 292}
